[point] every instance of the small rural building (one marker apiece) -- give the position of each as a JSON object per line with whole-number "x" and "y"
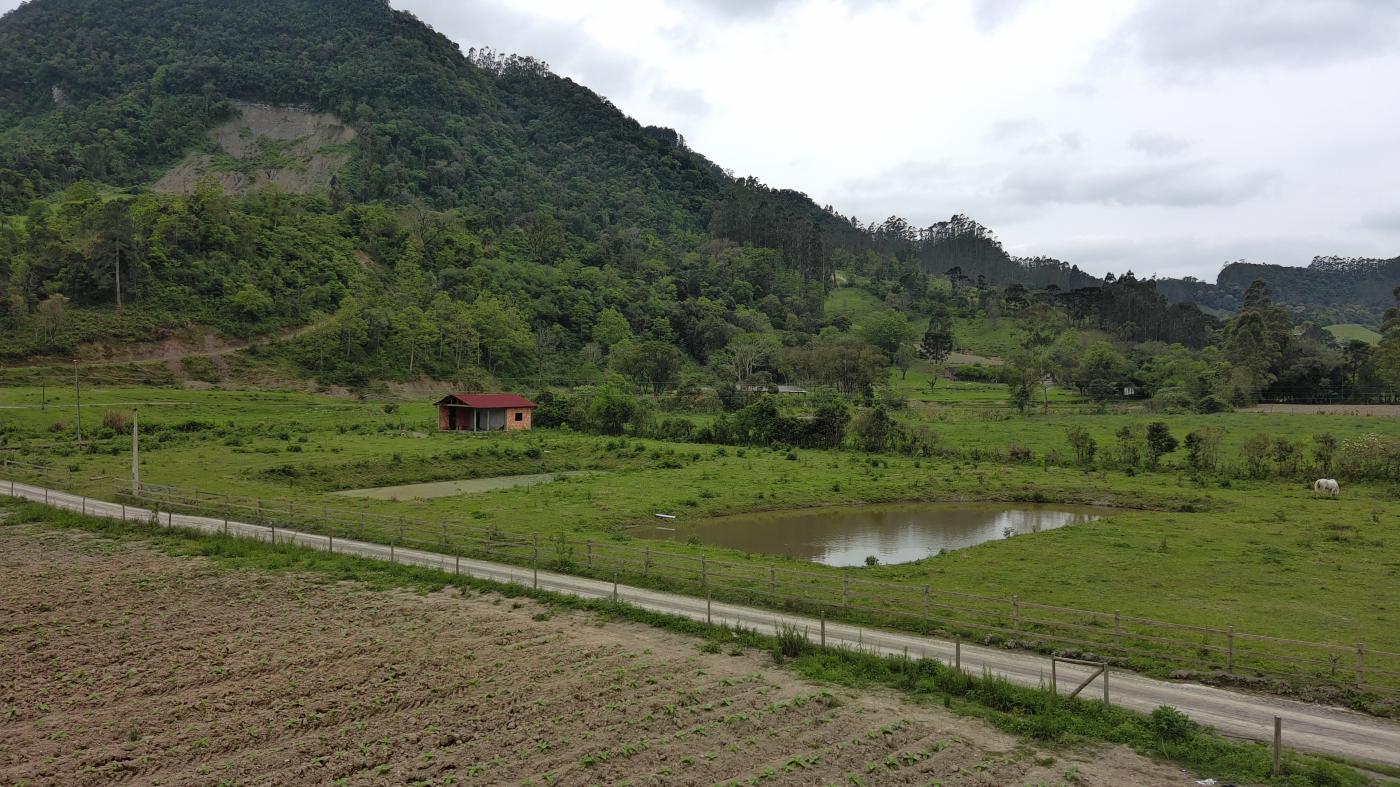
{"x": 467, "y": 412}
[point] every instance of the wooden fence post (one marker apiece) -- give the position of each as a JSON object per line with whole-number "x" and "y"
{"x": 590, "y": 554}
{"x": 1054, "y": 677}
{"x": 708, "y": 620}
{"x": 823, "y": 628}
{"x": 1230, "y": 650}
{"x": 614, "y": 587}
{"x": 330, "y": 534}
{"x": 1105, "y": 683}
{"x": 1278, "y": 746}
{"x": 957, "y": 652}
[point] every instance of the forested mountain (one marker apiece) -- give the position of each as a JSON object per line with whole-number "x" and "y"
{"x": 115, "y": 92}
{"x": 474, "y": 217}
{"x": 1329, "y": 290}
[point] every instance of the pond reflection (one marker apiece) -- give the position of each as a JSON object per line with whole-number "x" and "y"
{"x": 890, "y": 533}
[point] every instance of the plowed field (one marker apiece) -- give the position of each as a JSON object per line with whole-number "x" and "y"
{"x": 119, "y": 664}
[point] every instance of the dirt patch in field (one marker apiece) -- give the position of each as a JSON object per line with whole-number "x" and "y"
{"x": 125, "y": 665}
{"x": 297, "y": 151}
{"x": 468, "y": 486}
{"x": 1392, "y": 410}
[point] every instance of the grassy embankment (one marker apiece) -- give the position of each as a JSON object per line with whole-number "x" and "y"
{"x": 1033, "y": 713}
{"x": 1264, "y": 556}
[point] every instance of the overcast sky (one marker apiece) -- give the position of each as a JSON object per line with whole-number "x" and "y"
{"x": 1162, "y": 136}
{"x": 1165, "y": 136}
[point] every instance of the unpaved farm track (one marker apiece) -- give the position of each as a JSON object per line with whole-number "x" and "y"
{"x": 125, "y": 666}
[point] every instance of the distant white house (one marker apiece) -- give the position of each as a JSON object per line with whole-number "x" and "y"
{"x": 1129, "y": 390}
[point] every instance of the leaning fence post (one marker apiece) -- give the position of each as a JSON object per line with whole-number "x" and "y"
{"x": 1278, "y": 745}
{"x": 1230, "y": 650}
{"x": 1360, "y": 663}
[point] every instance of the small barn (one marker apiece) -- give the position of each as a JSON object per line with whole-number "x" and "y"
{"x": 468, "y": 412}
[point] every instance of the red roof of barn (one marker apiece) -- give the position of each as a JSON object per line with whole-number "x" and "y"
{"x": 488, "y": 401}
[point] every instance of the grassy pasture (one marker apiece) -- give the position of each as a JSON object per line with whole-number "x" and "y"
{"x": 1345, "y": 332}
{"x": 1264, "y": 556}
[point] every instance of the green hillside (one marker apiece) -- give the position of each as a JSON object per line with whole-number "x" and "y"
{"x": 1347, "y": 332}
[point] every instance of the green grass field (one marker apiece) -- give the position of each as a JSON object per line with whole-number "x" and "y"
{"x": 1350, "y": 331}
{"x": 1264, "y": 556}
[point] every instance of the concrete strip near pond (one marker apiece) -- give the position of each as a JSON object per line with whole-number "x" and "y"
{"x": 1306, "y": 727}
{"x": 465, "y": 486}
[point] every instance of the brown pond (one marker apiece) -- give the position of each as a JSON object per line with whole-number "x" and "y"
{"x": 891, "y": 533}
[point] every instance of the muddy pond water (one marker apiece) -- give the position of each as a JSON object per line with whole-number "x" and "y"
{"x": 891, "y": 533}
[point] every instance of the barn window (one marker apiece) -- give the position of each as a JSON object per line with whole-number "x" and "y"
{"x": 520, "y": 416}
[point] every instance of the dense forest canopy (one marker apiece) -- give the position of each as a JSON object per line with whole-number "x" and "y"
{"x": 496, "y": 222}
{"x": 1329, "y": 290}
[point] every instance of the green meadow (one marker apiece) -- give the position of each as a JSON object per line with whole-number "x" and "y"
{"x": 1266, "y": 556}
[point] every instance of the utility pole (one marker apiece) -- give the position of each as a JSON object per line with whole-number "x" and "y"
{"x": 78, "y": 393}
{"x": 135, "y": 454}
{"x": 119, "y": 277}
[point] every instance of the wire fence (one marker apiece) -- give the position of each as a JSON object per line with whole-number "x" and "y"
{"x": 1351, "y": 671}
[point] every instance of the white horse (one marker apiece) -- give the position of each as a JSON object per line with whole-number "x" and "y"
{"x": 1327, "y": 486}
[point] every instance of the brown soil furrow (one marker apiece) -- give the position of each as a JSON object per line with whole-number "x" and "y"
{"x": 134, "y": 667}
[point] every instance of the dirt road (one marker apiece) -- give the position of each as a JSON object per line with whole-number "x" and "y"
{"x": 1306, "y": 727}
